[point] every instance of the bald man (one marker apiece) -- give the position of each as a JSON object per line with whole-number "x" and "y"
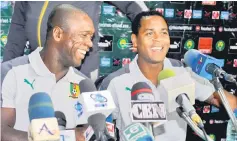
{"x": 50, "y": 70}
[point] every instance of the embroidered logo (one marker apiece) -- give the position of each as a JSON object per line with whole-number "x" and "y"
{"x": 31, "y": 84}
{"x": 74, "y": 90}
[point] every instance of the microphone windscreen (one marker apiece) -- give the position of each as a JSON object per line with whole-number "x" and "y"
{"x": 87, "y": 85}
{"x": 40, "y": 106}
{"x": 166, "y": 73}
{"x": 190, "y": 56}
{"x": 61, "y": 118}
{"x": 140, "y": 88}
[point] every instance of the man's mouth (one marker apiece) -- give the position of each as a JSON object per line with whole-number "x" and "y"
{"x": 157, "y": 48}
{"x": 81, "y": 51}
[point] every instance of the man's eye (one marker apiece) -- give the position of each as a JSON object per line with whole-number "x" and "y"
{"x": 165, "y": 33}
{"x": 149, "y": 33}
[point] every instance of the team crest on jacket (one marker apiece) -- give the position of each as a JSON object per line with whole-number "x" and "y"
{"x": 74, "y": 90}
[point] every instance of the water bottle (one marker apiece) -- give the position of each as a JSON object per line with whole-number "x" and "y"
{"x": 231, "y": 133}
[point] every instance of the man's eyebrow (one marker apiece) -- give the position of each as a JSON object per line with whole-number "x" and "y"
{"x": 150, "y": 29}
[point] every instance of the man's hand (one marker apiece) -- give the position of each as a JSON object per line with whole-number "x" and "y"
{"x": 80, "y": 133}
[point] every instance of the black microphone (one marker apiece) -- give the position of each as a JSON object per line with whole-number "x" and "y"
{"x": 61, "y": 118}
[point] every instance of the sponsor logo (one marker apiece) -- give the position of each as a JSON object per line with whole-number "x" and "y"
{"x": 206, "y": 109}
{"x": 214, "y": 109}
{"x": 229, "y": 29}
{"x": 220, "y": 29}
{"x": 116, "y": 62}
{"x": 126, "y": 61}
{"x": 160, "y": 10}
{"x": 169, "y": 13}
{"x": 197, "y": 14}
{"x": 211, "y": 121}
{"x": 205, "y": 44}
{"x": 100, "y": 100}
{"x": 106, "y": 43}
{"x": 228, "y": 62}
{"x": 220, "y": 45}
{"x": 74, "y": 90}
{"x": 150, "y": 111}
{"x": 79, "y": 108}
{"x": 207, "y": 28}
{"x": 224, "y": 15}
{"x": 3, "y": 40}
{"x": 207, "y": 14}
{"x": 212, "y": 136}
{"x": 45, "y": 128}
{"x": 189, "y": 44}
{"x": 109, "y": 10}
{"x": 4, "y": 5}
{"x": 123, "y": 43}
{"x": 232, "y": 46}
{"x": 180, "y": 27}
{"x": 179, "y": 13}
{"x": 175, "y": 44}
{"x": 30, "y": 83}
{"x": 198, "y": 28}
{"x": 215, "y": 15}
{"x": 105, "y": 62}
{"x": 232, "y": 15}
{"x": 235, "y": 63}
{"x": 187, "y": 14}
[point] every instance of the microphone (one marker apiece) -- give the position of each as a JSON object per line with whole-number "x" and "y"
{"x": 137, "y": 132}
{"x": 61, "y": 118}
{"x": 97, "y": 105}
{"x": 207, "y": 66}
{"x": 191, "y": 124}
{"x": 178, "y": 90}
{"x": 44, "y": 125}
{"x": 65, "y": 135}
{"x": 145, "y": 109}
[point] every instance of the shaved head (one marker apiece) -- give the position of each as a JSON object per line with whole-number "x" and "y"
{"x": 61, "y": 16}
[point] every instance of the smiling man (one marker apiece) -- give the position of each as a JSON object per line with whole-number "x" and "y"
{"x": 51, "y": 70}
{"x": 150, "y": 37}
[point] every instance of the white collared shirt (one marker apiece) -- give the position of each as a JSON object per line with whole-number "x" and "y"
{"x": 24, "y": 76}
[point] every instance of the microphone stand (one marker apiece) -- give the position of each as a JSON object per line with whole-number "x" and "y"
{"x": 195, "y": 128}
{"x": 218, "y": 86}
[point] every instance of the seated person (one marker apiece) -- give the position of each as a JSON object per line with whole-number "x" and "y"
{"x": 51, "y": 70}
{"x": 150, "y": 36}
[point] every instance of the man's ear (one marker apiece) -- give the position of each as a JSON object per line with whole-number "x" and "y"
{"x": 57, "y": 33}
{"x": 134, "y": 42}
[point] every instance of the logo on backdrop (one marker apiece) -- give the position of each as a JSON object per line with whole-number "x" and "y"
{"x": 220, "y": 45}
{"x": 233, "y": 46}
{"x": 169, "y": 13}
{"x": 189, "y": 44}
{"x": 105, "y": 62}
{"x": 205, "y": 44}
{"x": 187, "y": 13}
{"x": 106, "y": 43}
{"x": 123, "y": 43}
{"x": 175, "y": 45}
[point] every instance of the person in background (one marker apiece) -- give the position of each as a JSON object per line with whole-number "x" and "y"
{"x": 49, "y": 69}
{"x": 29, "y": 24}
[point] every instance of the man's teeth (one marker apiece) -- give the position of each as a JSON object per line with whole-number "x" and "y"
{"x": 82, "y": 51}
{"x": 157, "y": 48}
